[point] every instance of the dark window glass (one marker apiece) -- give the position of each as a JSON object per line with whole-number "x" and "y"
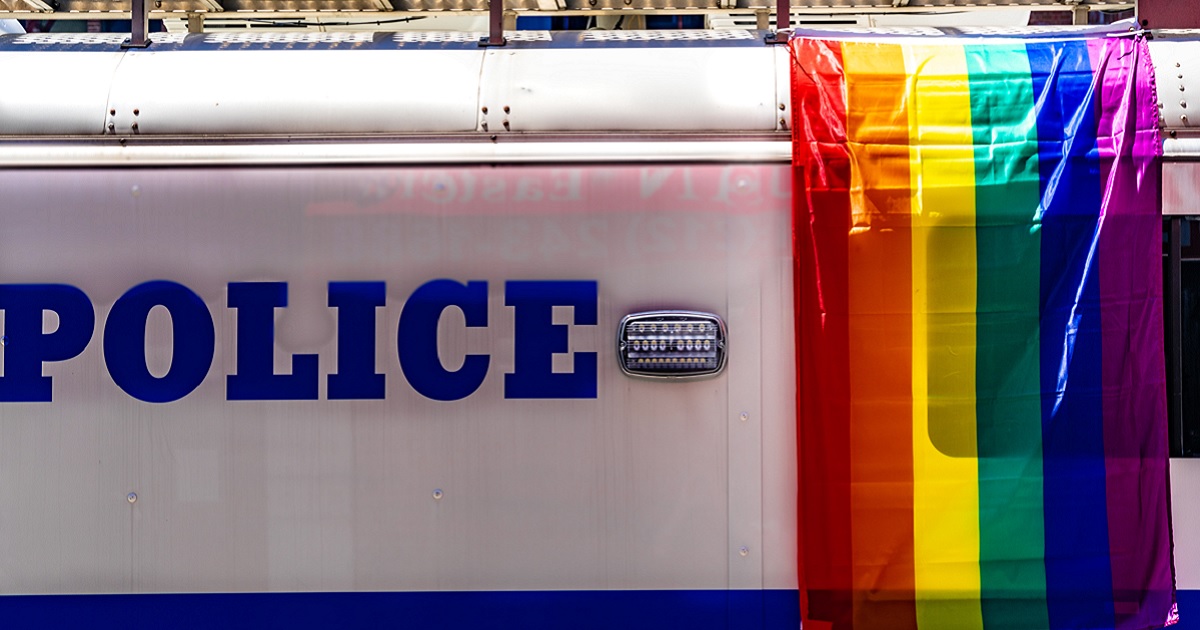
{"x": 1189, "y": 313}
{"x": 1183, "y": 390}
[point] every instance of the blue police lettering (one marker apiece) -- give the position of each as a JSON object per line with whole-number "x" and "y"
{"x": 28, "y": 348}
{"x": 416, "y": 339}
{"x": 356, "y": 378}
{"x": 256, "y": 379}
{"x": 125, "y": 341}
{"x": 537, "y": 339}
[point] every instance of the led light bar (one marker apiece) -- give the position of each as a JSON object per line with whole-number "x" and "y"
{"x": 671, "y": 344}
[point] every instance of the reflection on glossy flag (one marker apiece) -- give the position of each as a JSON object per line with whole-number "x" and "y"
{"x": 978, "y": 287}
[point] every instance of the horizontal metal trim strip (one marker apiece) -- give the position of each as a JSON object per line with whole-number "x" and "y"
{"x": 582, "y": 610}
{"x": 1182, "y": 148}
{"x": 30, "y": 155}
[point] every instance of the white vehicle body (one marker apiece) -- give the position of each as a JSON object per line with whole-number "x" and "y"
{"x": 654, "y": 166}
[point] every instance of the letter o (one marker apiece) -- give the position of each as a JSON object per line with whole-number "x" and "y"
{"x": 193, "y": 341}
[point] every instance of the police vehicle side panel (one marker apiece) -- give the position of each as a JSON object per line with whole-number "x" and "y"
{"x": 549, "y": 470}
{"x": 209, "y": 165}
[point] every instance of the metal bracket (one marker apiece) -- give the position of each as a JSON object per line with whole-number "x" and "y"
{"x": 1079, "y": 14}
{"x": 495, "y": 25}
{"x": 783, "y": 22}
{"x": 139, "y": 27}
{"x": 195, "y": 22}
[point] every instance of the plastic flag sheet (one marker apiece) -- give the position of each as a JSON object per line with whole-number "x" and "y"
{"x": 979, "y": 295}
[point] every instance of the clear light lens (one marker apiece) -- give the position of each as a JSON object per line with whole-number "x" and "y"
{"x": 671, "y": 344}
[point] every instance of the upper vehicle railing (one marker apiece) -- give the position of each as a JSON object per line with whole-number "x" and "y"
{"x": 121, "y": 9}
{"x": 502, "y": 13}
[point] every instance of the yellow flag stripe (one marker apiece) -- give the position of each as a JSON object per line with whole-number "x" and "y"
{"x": 945, "y": 468}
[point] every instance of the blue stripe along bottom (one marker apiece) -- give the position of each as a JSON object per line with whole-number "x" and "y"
{"x": 1189, "y": 604}
{"x": 581, "y": 610}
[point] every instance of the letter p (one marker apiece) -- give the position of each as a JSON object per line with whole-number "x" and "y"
{"x": 27, "y": 347}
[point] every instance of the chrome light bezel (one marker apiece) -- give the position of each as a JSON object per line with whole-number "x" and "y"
{"x": 625, "y": 350}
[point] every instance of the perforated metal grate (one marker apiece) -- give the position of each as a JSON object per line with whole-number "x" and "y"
{"x": 909, "y": 31}
{"x": 461, "y": 37}
{"x": 288, "y": 38}
{"x": 1022, "y": 31}
{"x": 24, "y": 5}
{"x": 664, "y": 36}
{"x": 70, "y": 39}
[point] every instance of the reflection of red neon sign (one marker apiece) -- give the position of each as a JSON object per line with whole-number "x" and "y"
{"x": 529, "y": 190}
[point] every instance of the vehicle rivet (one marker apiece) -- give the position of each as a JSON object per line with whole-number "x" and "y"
{"x": 782, "y": 107}
{"x": 1183, "y": 104}
{"x": 136, "y": 111}
{"x": 134, "y": 126}
{"x": 131, "y": 497}
{"x": 744, "y": 551}
{"x": 744, "y": 417}
{"x": 437, "y": 494}
{"x": 485, "y": 126}
{"x": 506, "y": 109}
{"x": 783, "y": 123}
{"x": 111, "y": 126}
{"x": 1174, "y": 133}
{"x": 112, "y": 112}
{"x": 484, "y": 109}
{"x": 4, "y": 340}
{"x": 506, "y": 125}
{"x": 1182, "y": 88}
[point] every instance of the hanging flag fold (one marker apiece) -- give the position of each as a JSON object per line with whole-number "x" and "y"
{"x": 981, "y": 393}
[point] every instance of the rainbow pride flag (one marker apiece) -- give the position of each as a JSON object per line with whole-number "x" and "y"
{"x": 979, "y": 294}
